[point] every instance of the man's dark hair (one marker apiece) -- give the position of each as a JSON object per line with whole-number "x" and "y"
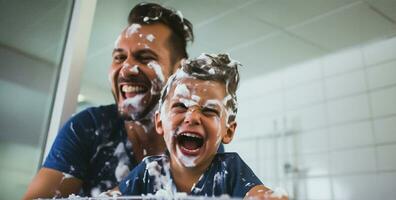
{"x": 182, "y": 29}
{"x": 211, "y": 67}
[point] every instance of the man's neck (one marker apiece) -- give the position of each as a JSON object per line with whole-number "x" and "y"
{"x": 145, "y": 141}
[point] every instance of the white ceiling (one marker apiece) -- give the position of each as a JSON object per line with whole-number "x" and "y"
{"x": 264, "y": 35}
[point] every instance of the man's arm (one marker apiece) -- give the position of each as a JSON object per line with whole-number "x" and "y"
{"x": 49, "y": 183}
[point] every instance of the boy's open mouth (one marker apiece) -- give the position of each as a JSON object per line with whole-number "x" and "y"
{"x": 189, "y": 143}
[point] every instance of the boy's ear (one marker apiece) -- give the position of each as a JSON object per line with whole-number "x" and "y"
{"x": 158, "y": 123}
{"x": 230, "y": 132}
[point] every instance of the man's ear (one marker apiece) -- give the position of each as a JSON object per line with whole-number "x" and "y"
{"x": 158, "y": 123}
{"x": 230, "y": 132}
{"x": 177, "y": 65}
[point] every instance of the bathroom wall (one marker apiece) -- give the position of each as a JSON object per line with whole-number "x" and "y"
{"x": 326, "y": 128}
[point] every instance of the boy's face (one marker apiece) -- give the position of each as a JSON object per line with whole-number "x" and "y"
{"x": 193, "y": 121}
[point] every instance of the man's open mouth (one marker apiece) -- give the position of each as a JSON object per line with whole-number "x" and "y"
{"x": 189, "y": 143}
{"x": 129, "y": 90}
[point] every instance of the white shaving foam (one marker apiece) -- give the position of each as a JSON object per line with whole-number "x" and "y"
{"x": 187, "y": 161}
{"x": 133, "y": 28}
{"x": 121, "y": 171}
{"x": 181, "y": 90}
{"x": 66, "y": 176}
{"x": 157, "y": 69}
{"x": 134, "y": 102}
{"x": 188, "y": 102}
{"x": 150, "y": 37}
{"x": 195, "y": 98}
{"x": 279, "y": 193}
{"x": 180, "y": 14}
{"x": 134, "y": 69}
{"x": 117, "y": 41}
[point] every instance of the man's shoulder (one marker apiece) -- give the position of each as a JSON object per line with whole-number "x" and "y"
{"x": 102, "y": 110}
{"x": 97, "y": 113}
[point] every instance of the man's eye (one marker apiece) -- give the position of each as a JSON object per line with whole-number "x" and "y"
{"x": 146, "y": 59}
{"x": 119, "y": 58}
{"x": 210, "y": 112}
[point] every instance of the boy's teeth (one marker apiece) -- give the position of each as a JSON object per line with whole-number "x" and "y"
{"x": 129, "y": 88}
{"x": 191, "y": 135}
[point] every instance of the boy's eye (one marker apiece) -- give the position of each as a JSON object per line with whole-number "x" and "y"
{"x": 179, "y": 107}
{"x": 210, "y": 112}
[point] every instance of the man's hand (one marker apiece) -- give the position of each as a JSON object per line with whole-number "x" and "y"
{"x": 50, "y": 183}
{"x": 261, "y": 192}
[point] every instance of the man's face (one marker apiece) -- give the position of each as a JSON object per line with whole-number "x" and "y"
{"x": 193, "y": 121}
{"x": 140, "y": 67}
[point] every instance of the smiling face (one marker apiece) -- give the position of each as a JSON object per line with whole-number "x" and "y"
{"x": 140, "y": 67}
{"x": 193, "y": 121}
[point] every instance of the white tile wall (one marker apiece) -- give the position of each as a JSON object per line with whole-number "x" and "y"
{"x": 267, "y": 83}
{"x": 383, "y": 102}
{"x": 253, "y": 107}
{"x": 268, "y": 169}
{"x": 314, "y": 164}
{"x": 386, "y": 157}
{"x": 304, "y": 95}
{"x": 385, "y": 129}
{"x": 342, "y": 62}
{"x": 353, "y": 161}
{"x": 313, "y": 141}
{"x": 301, "y": 73}
{"x": 379, "y": 52}
{"x": 348, "y": 109}
{"x": 355, "y": 187}
{"x": 266, "y": 149}
{"x": 386, "y": 186}
{"x": 382, "y": 75}
{"x": 318, "y": 188}
{"x": 345, "y": 84}
{"x": 345, "y": 136}
{"x": 307, "y": 118}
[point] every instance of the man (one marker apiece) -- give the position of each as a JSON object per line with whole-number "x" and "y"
{"x": 99, "y": 146}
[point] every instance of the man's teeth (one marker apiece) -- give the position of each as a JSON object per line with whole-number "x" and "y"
{"x": 129, "y": 88}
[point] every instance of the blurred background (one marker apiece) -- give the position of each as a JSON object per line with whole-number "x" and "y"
{"x": 317, "y": 101}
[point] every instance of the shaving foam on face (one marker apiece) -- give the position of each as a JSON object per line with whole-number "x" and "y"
{"x": 157, "y": 69}
{"x": 181, "y": 90}
{"x": 117, "y": 41}
{"x": 187, "y": 161}
{"x": 150, "y": 37}
{"x": 133, "y": 28}
{"x": 134, "y": 69}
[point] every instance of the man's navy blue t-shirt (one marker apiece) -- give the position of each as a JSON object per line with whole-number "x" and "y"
{"x": 227, "y": 174}
{"x": 93, "y": 146}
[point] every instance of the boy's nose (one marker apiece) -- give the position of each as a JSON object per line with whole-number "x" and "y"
{"x": 192, "y": 116}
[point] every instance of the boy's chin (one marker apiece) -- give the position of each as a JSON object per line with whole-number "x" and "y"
{"x": 187, "y": 158}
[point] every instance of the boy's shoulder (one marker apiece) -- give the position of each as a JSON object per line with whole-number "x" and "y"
{"x": 228, "y": 161}
{"x": 227, "y": 157}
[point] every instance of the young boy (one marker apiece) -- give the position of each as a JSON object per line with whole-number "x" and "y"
{"x": 197, "y": 112}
